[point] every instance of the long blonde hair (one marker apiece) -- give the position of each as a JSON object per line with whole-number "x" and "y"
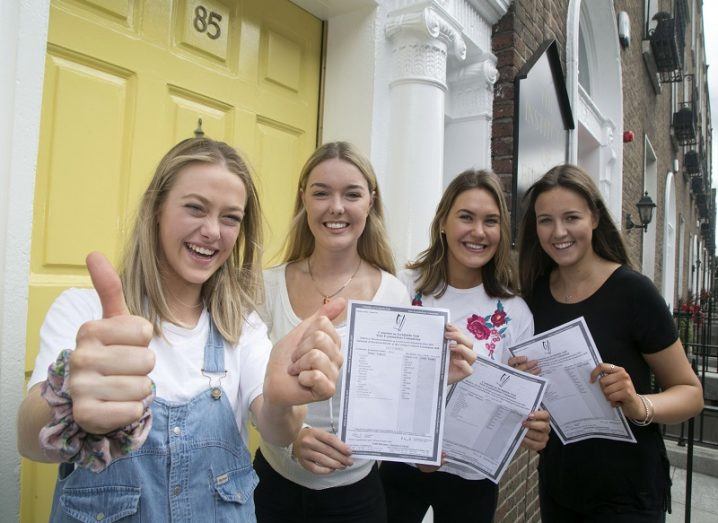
{"x": 432, "y": 265}
{"x": 231, "y": 292}
{"x": 373, "y": 246}
{"x": 606, "y": 241}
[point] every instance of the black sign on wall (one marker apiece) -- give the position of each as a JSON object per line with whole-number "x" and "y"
{"x": 542, "y": 118}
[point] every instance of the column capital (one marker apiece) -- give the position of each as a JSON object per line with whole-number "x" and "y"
{"x": 429, "y": 22}
{"x": 421, "y": 40}
{"x": 482, "y": 71}
{"x": 471, "y": 89}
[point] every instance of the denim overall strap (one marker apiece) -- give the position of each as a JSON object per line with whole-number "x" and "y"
{"x": 213, "y": 367}
{"x": 214, "y": 351}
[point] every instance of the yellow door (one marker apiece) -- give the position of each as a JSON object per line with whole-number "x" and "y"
{"x": 124, "y": 81}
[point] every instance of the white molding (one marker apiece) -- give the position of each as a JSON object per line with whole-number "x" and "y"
{"x": 325, "y": 9}
{"x": 475, "y": 27}
{"x": 491, "y": 10}
{"x": 670, "y": 233}
{"x": 650, "y": 185}
{"x": 23, "y": 41}
{"x": 605, "y": 106}
{"x": 572, "y": 53}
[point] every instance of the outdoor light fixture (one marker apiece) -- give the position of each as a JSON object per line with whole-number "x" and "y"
{"x": 624, "y": 29}
{"x": 645, "y": 214}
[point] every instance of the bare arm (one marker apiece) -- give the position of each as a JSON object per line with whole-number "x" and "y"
{"x": 34, "y": 413}
{"x": 682, "y": 395}
{"x": 303, "y": 367}
{"x": 277, "y": 424}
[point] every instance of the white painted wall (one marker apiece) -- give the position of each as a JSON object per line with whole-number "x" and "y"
{"x": 23, "y": 37}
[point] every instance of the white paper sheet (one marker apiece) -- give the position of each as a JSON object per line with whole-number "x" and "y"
{"x": 567, "y": 354}
{"x": 394, "y": 386}
{"x": 484, "y": 416}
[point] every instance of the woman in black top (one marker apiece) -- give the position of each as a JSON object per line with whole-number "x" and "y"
{"x": 573, "y": 263}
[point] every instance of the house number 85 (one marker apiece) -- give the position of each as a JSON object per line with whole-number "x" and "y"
{"x": 207, "y": 22}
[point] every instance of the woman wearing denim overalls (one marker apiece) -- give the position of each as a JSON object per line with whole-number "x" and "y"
{"x": 148, "y": 412}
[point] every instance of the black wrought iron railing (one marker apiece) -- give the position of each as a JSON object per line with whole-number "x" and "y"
{"x": 699, "y": 337}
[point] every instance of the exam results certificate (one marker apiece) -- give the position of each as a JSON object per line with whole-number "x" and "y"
{"x": 566, "y": 356}
{"x": 484, "y": 417}
{"x": 394, "y": 386}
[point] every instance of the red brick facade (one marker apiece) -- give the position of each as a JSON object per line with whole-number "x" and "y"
{"x": 647, "y": 113}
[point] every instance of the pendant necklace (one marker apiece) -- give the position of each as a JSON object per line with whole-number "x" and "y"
{"x": 327, "y": 297}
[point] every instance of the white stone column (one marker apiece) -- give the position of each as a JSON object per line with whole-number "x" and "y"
{"x": 467, "y": 139}
{"x": 421, "y": 40}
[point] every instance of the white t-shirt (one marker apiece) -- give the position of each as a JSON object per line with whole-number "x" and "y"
{"x": 493, "y": 323}
{"x": 277, "y": 312}
{"x": 179, "y": 357}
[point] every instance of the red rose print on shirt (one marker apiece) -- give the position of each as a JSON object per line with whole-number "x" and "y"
{"x": 498, "y": 318}
{"x": 491, "y": 327}
{"x": 477, "y": 326}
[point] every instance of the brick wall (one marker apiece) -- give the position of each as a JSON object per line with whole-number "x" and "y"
{"x": 647, "y": 114}
{"x": 518, "y": 490}
{"x": 516, "y": 37}
{"x": 526, "y": 25}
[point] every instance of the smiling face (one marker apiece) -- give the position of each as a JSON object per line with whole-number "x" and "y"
{"x": 199, "y": 223}
{"x": 472, "y": 229}
{"x": 337, "y": 200}
{"x": 564, "y": 225}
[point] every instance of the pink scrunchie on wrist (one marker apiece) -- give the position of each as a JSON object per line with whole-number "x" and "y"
{"x": 63, "y": 440}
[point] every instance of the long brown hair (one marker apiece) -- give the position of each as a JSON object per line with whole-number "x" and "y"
{"x": 498, "y": 275}
{"x": 606, "y": 241}
{"x": 373, "y": 245}
{"x": 234, "y": 289}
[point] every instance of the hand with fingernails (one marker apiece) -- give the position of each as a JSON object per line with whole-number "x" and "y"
{"x": 321, "y": 452}
{"x": 536, "y": 437}
{"x": 522, "y": 363}
{"x": 462, "y": 355}
{"x": 618, "y": 389}
{"x": 110, "y": 364}
{"x": 304, "y": 365}
{"x": 538, "y": 421}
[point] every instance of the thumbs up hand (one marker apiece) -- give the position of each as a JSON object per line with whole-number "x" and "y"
{"x": 109, "y": 366}
{"x": 304, "y": 365}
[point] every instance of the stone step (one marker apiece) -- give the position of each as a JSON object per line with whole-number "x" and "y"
{"x": 705, "y": 459}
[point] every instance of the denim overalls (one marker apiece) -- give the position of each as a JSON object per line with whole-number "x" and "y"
{"x": 194, "y": 465}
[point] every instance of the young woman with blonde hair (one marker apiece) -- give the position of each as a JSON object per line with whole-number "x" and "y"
{"x": 148, "y": 412}
{"x": 573, "y": 263}
{"x": 337, "y": 246}
{"x": 466, "y": 269}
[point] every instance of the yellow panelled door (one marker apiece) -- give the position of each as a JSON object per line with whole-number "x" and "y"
{"x": 124, "y": 81}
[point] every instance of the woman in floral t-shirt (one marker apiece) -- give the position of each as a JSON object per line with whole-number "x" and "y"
{"x": 466, "y": 269}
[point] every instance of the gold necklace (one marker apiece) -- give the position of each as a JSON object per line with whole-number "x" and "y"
{"x": 187, "y": 306}
{"x": 327, "y": 297}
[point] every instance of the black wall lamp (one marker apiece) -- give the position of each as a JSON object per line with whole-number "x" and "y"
{"x": 645, "y": 214}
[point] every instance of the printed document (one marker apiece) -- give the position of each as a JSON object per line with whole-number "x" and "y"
{"x": 566, "y": 356}
{"x": 484, "y": 417}
{"x": 394, "y": 386}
